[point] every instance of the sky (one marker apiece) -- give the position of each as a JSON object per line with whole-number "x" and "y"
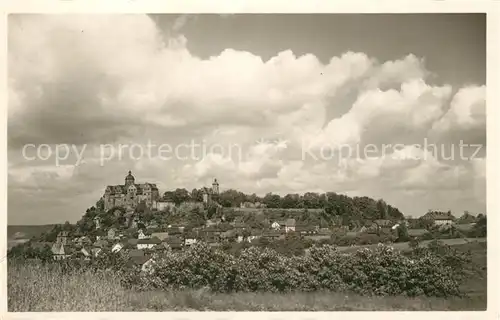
{"x": 384, "y": 106}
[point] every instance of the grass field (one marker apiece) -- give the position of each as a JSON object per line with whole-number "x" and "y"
{"x": 406, "y": 246}
{"x": 36, "y": 288}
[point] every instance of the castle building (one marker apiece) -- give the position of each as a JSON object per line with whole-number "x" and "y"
{"x": 130, "y": 194}
{"x": 211, "y": 195}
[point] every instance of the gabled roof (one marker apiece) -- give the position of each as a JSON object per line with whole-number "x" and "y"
{"x": 101, "y": 243}
{"x": 136, "y": 253}
{"x": 139, "y": 260}
{"x": 435, "y": 215}
{"x": 149, "y": 241}
{"x": 416, "y": 232}
{"x": 172, "y": 240}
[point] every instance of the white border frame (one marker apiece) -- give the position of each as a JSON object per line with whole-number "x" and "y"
{"x": 491, "y": 8}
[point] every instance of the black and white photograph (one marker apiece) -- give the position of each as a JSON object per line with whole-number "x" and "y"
{"x": 246, "y": 162}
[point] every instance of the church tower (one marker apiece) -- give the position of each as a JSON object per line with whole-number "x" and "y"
{"x": 129, "y": 179}
{"x": 215, "y": 187}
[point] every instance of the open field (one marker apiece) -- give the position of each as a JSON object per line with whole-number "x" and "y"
{"x": 28, "y": 231}
{"x": 36, "y": 288}
{"x": 405, "y": 245}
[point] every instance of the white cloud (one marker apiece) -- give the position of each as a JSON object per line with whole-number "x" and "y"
{"x": 109, "y": 79}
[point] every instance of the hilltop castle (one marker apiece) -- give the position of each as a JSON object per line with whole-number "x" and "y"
{"x": 130, "y": 194}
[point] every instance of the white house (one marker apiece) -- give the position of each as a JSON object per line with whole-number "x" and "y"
{"x": 275, "y": 225}
{"x": 142, "y": 235}
{"x": 58, "y": 252}
{"x": 147, "y": 243}
{"x": 117, "y": 247}
{"x": 148, "y": 266}
{"x": 96, "y": 251}
{"x": 189, "y": 241}
{"x": 97, "y": 222}
{"x": 290, "y": 225}
{"x": 164, "y": 205}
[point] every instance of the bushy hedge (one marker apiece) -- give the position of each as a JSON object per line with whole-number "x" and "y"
{"x": 381, "y": 271}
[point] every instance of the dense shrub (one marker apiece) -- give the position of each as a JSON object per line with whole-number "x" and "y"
{"x": 382, "y": 271}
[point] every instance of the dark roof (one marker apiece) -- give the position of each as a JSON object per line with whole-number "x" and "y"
{"x": 139, "y": 260}
{"x": 434, "y": 215}
{"x": 101, "y": 243}
{"x": 172, "y": 240}
{"x": 416, "y": 232}
{"x": 136, "y": 253}
{"x": 149, "y": 241}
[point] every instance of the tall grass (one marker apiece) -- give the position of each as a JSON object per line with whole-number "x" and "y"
{"x": 38, "y": 287}
{"x": 45, "y": 288}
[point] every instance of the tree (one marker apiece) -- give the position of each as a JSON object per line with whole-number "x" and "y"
{"x": 402, "y": 233}
{"x": 290, "y": 201}
{"x": 180, "y": 196}
{"x": 383, "y": 212}
{"x": 100, "y": 205}
{"x": 197, "y": 195}
{"x": 272, "y": 200}
{"x": 480, "y": 228}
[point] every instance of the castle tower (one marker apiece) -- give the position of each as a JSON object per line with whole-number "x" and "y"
{"x": 129, "y": 179}
{"x": 215, "y": 187}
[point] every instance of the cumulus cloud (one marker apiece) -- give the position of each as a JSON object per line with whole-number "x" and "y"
{"x": 112, "y": 79}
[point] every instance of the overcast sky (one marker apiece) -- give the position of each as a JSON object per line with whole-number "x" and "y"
{"x": 271, "y": 92}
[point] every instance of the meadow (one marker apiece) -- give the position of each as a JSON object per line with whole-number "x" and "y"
{"x": 39, "y": 287}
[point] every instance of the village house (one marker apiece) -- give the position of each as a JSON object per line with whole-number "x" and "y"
{"x": 289, "y": 225}
{"x": 189, "y": 241}
{"x": 254, "y": 235}
{"x": 214, "y": 222}
{"x": 148, "y": 266}
{"x": 143, "y": 234}
{"x": 228, "y": 235}
{"x": 81, "y": 241}
{"x": 58, "y": 251}
{"x": 100, "y": 234}
{"x": 272, "y": 235}
{"x": 160, "y": 235}
{"x": 112, "y": 234}
{"x": 117, "y": 247}
{"x": 175, "y": 243}
{"x": 147, "y": 243}
{"x": 96, "y": 252}
{"x": 138, "y": 258}
{"x": 275, "y": 225}
{"x": 101, "y": 243}
{"x": 439, "y": 218}
{"x": 306, "y": 229}
{"x": 86, "y": 252}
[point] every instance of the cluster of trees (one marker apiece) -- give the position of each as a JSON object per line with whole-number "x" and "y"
{"x": 350, "y": 209}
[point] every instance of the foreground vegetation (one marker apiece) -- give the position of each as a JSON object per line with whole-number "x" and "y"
{"x": 54, "y": 287}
